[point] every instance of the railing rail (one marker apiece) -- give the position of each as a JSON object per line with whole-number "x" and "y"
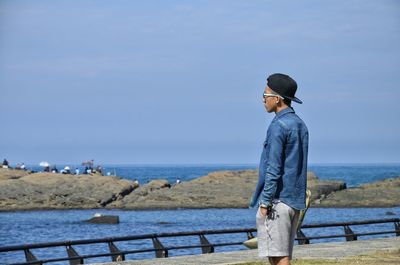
{"x": 124, "y": 238}
{"x": 162, "y": 251}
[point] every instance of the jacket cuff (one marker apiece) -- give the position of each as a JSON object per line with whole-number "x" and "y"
{"x": 264, "y": 203}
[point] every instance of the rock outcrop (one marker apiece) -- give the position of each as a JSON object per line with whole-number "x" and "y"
{"x": 20, "y": 190}
{"x": 60, "y": 191}
{"x": 6, "y": 173}
{"x": 222, "y": 189}
{"x": 384, "y": 193}
{"x": 320, "y": 189}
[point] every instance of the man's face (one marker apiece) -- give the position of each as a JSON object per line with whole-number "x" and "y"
{"x": 269, "y": 101}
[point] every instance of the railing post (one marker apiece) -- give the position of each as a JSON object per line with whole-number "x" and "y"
{"x": 30, "y": 257}
{"x": 204, "y": 248}
{"x": 302, "y": 241}
{"x": 249, "y": 235}
{"x": 161, "y": 252}
{"x": 397, "y": 228}
{"x": 113, "y": 249}
{"x": 73, "y": 254}
{"x": 349, "y": 233}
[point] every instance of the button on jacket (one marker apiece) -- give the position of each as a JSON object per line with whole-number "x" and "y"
{"x": 283, "y": 163}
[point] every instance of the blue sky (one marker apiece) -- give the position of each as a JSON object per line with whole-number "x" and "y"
{"x": 181, "y": 81}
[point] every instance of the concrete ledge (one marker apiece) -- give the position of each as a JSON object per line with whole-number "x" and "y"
{"x": 312, "y": 251}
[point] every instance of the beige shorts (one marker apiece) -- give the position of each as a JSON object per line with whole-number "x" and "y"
{"x": 276, "y": 233}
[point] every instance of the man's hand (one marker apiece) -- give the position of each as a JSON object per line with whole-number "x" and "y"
{"x": 264, "y": 211}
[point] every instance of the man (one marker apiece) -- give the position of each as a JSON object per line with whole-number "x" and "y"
{"x": 281, "y": 188}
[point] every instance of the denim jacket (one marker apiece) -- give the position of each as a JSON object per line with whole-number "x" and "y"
{"x": 283, "y": 164}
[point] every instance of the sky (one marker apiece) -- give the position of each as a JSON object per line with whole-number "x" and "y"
{"x": 181, "y": 82}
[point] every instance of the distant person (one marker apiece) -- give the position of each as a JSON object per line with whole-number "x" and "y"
{"x": 281, "y": 189}
{"x": 76, "y": 171}
{"x": 178, "y": 181}
{"x": 66, "y": 170}
{"x": 99, "y": 169}
{"x": 23, "y": 167}
{"x": 54, "y": 169}
{"x": 46, "y": 169}
{"x": 5, "y": 163}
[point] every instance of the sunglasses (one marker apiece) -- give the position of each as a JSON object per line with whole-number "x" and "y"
{"x": 265, "y": 95}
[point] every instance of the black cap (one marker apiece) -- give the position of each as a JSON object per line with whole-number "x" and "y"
{"x": 283, "y": 85}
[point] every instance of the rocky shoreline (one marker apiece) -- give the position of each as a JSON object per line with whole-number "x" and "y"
{"x": 22, "y": 190}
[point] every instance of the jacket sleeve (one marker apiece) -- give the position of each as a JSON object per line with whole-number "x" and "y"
{"x": 257, "y": 192}
{"x": 275, "y": 160}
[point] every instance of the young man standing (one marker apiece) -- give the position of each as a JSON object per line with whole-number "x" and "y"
{"x": 281, "y": 189}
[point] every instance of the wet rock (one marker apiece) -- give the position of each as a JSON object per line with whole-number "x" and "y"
{"x": 164, "y": 223}
{"x": 104, "y": 219}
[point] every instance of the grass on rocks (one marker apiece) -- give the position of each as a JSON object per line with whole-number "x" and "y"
{"x": 381, "y": 257}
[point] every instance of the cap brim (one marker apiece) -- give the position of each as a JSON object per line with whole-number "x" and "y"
{"x": 294, "y": 99}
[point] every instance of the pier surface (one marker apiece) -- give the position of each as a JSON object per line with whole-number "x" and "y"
{"x": 335, "y": 250}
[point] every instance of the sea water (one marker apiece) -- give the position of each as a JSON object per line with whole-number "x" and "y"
{"x": 26, "y": 227}
{"x": 61, "y": 225}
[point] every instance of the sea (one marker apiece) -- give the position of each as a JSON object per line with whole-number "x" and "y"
{"x": 26, "y": 227}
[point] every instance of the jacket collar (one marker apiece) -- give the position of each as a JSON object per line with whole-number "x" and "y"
{"x": 284, "y": 111}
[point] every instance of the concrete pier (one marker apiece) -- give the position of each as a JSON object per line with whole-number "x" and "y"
{"x": 312, "y": 251}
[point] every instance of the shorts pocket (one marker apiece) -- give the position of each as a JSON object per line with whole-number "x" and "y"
{"x": 260, "y": 219}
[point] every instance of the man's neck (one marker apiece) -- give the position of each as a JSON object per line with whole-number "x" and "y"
{"x": 280, "y": 108}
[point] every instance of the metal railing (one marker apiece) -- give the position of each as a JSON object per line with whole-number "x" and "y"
{"x": 348, "y": 232}
{"x": 162, "y": 251}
